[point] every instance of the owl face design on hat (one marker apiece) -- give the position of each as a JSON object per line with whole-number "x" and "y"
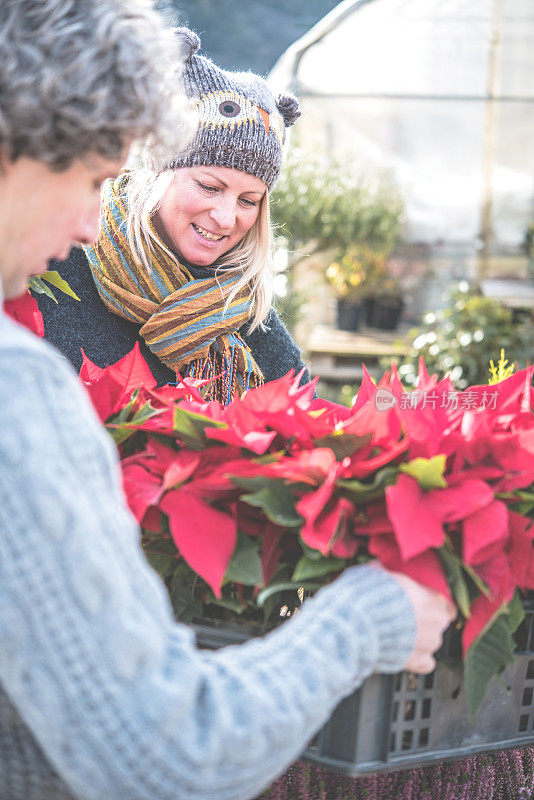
{"x": 240, "y": 124}
{"x": 228, "y": 108}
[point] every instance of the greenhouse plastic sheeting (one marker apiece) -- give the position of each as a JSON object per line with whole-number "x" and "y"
{"x": 441, "y": 94}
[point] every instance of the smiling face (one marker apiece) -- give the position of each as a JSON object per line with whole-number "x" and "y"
{"x": 43, "y": 213}
{"x": 207, "y": 210}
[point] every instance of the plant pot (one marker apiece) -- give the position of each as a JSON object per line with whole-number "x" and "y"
{"x": 349, "y": 315}
{"x": 369, "y": 309}
{"x": 385, "y": 312}
{"x": 406, "y": 720}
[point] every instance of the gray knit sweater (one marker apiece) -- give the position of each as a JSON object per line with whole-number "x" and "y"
{"x": 102, "y": 694}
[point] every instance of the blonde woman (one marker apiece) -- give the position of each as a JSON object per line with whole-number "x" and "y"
{"x": 183, "y": 260}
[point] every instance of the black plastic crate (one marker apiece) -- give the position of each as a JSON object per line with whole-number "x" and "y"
{"x": 399, "y": 721}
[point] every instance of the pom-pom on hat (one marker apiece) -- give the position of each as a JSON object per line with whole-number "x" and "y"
{"x": 239, "y": 122}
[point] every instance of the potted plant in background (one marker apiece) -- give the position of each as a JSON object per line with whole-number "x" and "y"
{"x": 367, "y": 290}
{"x": 356, "y": 276}
{"x": 329, "y": 211}
{"x": 385, "y": 307}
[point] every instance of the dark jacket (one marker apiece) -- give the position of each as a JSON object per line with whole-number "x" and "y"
{"x": 105, "y": 338}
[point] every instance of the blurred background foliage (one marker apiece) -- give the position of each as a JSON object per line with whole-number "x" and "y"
{"x": 461, "y": 339}
{"x": 319, "y": 204}
{"x": 326, "y": 206}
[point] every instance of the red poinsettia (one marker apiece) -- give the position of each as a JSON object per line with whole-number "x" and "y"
{"x": 25, "y": 311}
{"x": 280, "y": 490}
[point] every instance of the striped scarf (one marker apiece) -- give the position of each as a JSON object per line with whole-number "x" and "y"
{"x": 183, "y": 320}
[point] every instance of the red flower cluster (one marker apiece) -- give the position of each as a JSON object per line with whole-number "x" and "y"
{"x": 433, "y": 483}
{"x": 25, "y": 311}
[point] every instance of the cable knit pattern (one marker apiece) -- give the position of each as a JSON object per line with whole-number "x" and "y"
{"x": 98, "y": 684}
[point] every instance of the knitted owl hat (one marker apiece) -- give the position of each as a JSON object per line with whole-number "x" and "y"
{"x": 240, "y": 123}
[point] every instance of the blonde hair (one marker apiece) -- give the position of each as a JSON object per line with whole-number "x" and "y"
{"x": 252, "y": 256}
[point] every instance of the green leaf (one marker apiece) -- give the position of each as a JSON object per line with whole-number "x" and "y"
{"x": 520, "y": 501}
{"x": 271, "y": 606}
{"x": 122, "y": 425}
{"x": 270, "y": 458}
{"x": 455, "y": 577}
{"x": 286, "y": 586}
{"x": 516, "y": 612}
{"x": 229, "y": 603}
{"x": 120, "y": 435}
{"x": 364, "y": 492}
{"x": 52, "y": 276}
{"x": 475, "y": 582}
{"x": 144, "y": 413}
{"x": 154, "y": 542}
{"x": 307, "y": 568}
{"x": 428, "y": 472}
{"x": 487, "y": 656}
{"x": 310, "y": 552}
{"x": 253, "y": 484}
{"x": 519, "y": 494}
{"x": 343, "y": 444}
{"x": 124, "y": 414}
{"x": 525, "y": 508}
{"x": 191, "y": 428}
{"x": 245, "y": 565}
{"x": 181, "y": 591}
{"x": 163, "y": 564}
{"x": 277, "y": 502}
{"x": 37, "y": 285}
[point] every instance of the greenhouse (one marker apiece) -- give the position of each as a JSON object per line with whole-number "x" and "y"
{"x": 440, "y": 97}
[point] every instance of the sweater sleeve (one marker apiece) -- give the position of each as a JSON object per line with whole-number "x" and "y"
{"x": 274, "y": 349}
{"x": 113, "y": 690}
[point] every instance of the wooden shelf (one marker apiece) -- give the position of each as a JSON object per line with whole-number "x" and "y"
{"x": 337, "y": 356}
{"x": 516, "y": 294}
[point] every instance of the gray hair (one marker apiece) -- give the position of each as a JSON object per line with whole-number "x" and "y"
{"x": 87, "y": 76}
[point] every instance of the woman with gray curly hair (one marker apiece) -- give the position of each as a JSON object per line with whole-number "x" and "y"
{"x": 102, "y": 695}
{"x": 183, "y": 261}
{"x": 81, "y": 78}
{"x": 81, "y": 81}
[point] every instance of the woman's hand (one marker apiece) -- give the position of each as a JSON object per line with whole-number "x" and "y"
{"x": 433, "y": 615}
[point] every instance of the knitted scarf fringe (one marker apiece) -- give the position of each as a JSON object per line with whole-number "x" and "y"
{"x": 228, "y": 380}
